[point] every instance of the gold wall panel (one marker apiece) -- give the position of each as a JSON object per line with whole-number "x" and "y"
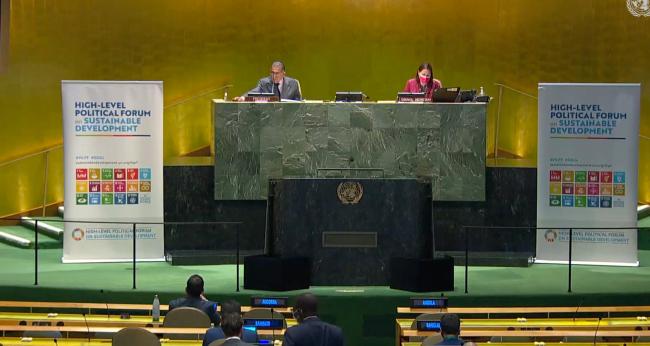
{"x": 330, "y": 45}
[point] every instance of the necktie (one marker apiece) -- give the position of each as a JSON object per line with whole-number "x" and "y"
{"x": 276, "y": 90}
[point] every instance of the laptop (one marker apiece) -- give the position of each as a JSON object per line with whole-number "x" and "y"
{"x": 446, "y": 95}
{"x": 467, "y": 95}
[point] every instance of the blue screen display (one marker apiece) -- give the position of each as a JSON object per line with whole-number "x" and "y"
{"x": 269, "y": 302}
{"x": 432, "y": 325}
{"x": 264, "y": 323}
{"x": 429, "y": 325}
{"x": 429, "y": 303}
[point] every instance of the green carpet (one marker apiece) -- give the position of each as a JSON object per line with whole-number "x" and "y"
{"x": 365, "y": 313}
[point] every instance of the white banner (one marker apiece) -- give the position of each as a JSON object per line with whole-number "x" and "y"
{"x": 587, "y": 172}
{"x": 113, "y": 170}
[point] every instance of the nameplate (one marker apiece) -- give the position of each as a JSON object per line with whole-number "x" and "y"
{"x": 269, "y": 302}
{"x": 264, "y": 323}
{"x": 428, "y": 326}
{"x": 429, "y": 303}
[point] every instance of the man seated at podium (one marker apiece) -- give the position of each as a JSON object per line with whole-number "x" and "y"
{"x": 423, "y": 82}
{"x": 311, "y": 331}
{"x": 277, "y": 83}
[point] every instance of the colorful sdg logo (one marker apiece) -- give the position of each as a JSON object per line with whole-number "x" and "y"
{"x": 77, "y": 234}
{"x": 550, "y": 236}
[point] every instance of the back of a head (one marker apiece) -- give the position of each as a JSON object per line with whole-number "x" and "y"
{"x": 306, "y": 305}
{"x": 450, "y": 324}
{"x": 230, "y": 307}
{"x": 231, "y": 324}
{"x": 194, "y": 286}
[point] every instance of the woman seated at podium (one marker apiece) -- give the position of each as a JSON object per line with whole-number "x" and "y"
{"x": 423, "y": 82}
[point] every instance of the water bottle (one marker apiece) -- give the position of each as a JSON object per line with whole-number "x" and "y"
{"x": 155, "y": 310}
{"x": 481, "y": 93}
{"x": 225, "y": 95}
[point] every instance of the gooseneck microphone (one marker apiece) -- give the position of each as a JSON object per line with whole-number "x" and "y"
{"x": 108, "y": 314}
{"x": 87, "y": 327}
{"x": 597, "y": 326}
{"x": 577, "y": 308}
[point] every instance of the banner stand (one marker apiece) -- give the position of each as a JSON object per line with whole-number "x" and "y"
{"x": 113, "y": 153}
{"x": 587, "y": 173}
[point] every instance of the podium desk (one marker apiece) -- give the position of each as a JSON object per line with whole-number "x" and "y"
{"x": 442, "y": 143}
{"x": 350, "y": 228}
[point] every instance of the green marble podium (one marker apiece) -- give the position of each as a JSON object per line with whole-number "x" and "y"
{"x": 442, "y": 143}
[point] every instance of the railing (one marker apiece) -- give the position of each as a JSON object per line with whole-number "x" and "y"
{"x": 469, "y": 229}
{"x": 134, "y": 225}
{"x": 46, "y": 153}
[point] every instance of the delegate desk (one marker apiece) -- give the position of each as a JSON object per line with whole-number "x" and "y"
{"x": 116, "y": 325}
{"x": 443, "y": 143}
{"x": 548, "y": 310}
{"x": 546, "y": 327}
{"x": 413, "y": 343}
{"x": 6, "y": 341}
{"x": 19, "y": 318}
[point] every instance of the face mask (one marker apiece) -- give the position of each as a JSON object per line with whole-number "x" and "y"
{"x": 424, "y": 80}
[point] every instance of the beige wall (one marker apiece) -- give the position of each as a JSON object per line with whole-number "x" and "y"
{"x": 369, "y": 45}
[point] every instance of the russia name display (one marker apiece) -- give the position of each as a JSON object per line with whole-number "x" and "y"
{"x": 587, "y": 173}
{"x": 113, "y": 170}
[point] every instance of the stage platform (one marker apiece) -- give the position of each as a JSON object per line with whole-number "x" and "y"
{"x": 366, "y": 313}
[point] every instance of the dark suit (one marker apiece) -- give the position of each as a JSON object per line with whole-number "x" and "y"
{"x": 451, "y": 341}
{"x": 313, "y": 332}
{"x": 210, "y": 308}
{"x": 235, "y": 342}
{"x": 290, "y": 88}
{"x": 216, "y": 333}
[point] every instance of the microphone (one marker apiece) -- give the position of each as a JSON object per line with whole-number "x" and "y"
{"x": 87, "y": 327}
{"x": 108, "y": 314}
{"x": 597, "y": 326}
{"x": 273, "y": 329}
{"x": 578, "y": 308}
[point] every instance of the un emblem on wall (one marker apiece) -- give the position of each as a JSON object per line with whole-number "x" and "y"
{"x": 639, "y": 8}
{"x": 349, "y": 192}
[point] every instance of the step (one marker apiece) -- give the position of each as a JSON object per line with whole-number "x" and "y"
{"x": 23, "y": 237}
{"x": 53, "y": 229}
{"x": 491, "y": 259}
{"x": 8, "y": 237}
{"x": 207, "y": 257}
{"x": 60, "y": 210}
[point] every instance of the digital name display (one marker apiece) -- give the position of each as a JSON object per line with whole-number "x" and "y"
{"x": 264, "y": 323}
{"x": 269, "y": 302}
{"x": 429, "y": 303}
{"x": 429, "y": 326}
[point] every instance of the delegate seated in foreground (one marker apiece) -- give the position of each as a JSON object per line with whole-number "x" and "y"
{"x": 311, "y": 331}
{"x": 196, "y": 299}
{"x": 216, "y": 333}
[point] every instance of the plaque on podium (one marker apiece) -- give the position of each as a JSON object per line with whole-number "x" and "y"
{"x": 261, "y": 97}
